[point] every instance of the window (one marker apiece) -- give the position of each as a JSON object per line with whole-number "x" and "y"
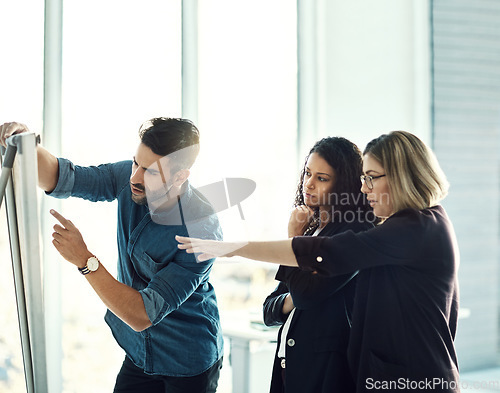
{"x": 121, "y": 66}
{"x": 247, "y": 114}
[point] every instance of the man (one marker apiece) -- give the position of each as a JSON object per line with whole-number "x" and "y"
{"x": 162, "y": 309}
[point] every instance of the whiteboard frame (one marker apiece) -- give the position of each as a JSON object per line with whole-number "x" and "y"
{"x": 24, "y": 232}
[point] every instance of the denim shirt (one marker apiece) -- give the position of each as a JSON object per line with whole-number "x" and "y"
{"x": 185, "y": 338}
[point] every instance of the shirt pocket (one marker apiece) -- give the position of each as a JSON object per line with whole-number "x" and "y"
{"x": 147, "y": 267}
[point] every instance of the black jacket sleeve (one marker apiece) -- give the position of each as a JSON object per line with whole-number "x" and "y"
{"x": 273, "y": 306}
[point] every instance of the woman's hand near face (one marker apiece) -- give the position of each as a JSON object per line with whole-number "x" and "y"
{"x": 300, "y": 218}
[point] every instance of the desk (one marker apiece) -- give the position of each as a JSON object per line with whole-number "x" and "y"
{"x": 252, "y": 348}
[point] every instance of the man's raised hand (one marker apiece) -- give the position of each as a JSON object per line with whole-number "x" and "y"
{"x": 9, "y": 129}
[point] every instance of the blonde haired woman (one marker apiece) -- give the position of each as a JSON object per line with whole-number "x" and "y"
{"x": 406, "y": 305}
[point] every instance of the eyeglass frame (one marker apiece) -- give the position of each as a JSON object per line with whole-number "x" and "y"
{"x": 368, "y": 180}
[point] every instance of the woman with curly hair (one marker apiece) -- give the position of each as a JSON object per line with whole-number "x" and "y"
{"x": 314, "y": 311}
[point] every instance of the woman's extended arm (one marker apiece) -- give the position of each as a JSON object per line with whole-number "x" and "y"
{"x": 279, "y": 251}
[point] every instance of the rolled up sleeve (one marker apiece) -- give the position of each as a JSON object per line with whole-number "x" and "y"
{"x": 153, "y": 302}
{"x": 66, "y": 179}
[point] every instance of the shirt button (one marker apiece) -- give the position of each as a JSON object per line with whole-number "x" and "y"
{"x": 319, "y": 259}
{"x": 290, "y": 342}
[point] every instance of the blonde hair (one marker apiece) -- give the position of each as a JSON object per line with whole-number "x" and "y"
{"x": 414, "y": 176}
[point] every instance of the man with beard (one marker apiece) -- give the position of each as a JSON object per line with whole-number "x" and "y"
{"x": 162, "y": 310}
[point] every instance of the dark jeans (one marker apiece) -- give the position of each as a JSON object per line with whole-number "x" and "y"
{"x": 132, "y": 379}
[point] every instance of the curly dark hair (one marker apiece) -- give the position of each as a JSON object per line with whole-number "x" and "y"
{"x": 345, "y": 158}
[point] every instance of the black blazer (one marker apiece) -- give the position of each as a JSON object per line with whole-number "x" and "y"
{"x": 316, "y": 352}
{"x": 406, "y": 304}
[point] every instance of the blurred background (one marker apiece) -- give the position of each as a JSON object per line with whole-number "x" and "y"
{"x": 263, "y": 80}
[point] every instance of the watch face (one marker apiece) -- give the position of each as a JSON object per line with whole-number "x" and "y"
{"x": 92, "y": 264}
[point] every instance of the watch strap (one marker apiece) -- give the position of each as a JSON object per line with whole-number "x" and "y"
{"x": 84, "y": 270}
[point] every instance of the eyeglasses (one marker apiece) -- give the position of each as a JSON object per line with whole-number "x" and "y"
{"x": 368, "y": 180}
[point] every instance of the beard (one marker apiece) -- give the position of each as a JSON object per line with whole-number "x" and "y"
{"x": 140, "y": 200}
{"x": 149, "y": 197}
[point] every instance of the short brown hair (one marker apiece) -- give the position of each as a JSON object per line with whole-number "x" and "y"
{"x": 173, "y": 137}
